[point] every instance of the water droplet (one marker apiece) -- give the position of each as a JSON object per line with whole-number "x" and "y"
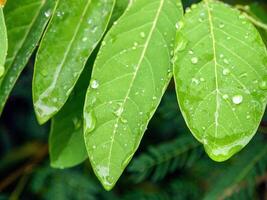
{"x": 142, "y": 34}
{"x": 94, "y": 84}
{"x": 263, "y": 85}
{"x": 179, "y": 25}
{"x": 226, "y": 71}
{"x": 2, "y": 70}
{"x": 190, "y": 52}
{"x": 90, "y": 121}
{"x": 221, "y": 25}
{"x": 225, "y": 61}
{"x": 84, "y": 39}
{"x": 188, "y": 10}
{"x": 119, "y": 111}
{"x": 48, "y": 13}
{"x": 195, "y": 81}
{"x": 194, "y": 60}
{"x": 237, "y": 99}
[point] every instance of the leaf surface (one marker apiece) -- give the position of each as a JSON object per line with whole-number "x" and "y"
{"x": 3, "y": 42}
{"x": 220, "y": 75}
{"x": 25, "y": 21}
{"x": 73, "y": 33}
{"x": 66, "y": 141}
{"x": 131, "y": 73}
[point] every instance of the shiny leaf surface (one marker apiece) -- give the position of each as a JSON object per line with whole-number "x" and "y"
{"x": 220, "y": 73}
{"x": 131, "y": 73}
{"x": 26, "y": 21}
{"x": 74, "y": 31}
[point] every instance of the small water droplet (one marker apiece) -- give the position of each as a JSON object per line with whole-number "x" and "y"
{"x": 263, "y": 85}
{"x": 142, "y": 34}
{"x": 194, "y": 60}
{"x": 48, "y": 13}
{"x": 94, "y": 84}
{"x": 237, "y": 99}
{"x": 226, "y": 71}
{"x": 119, "y": 111}
{"x": 225, "y": 61}
{"x": 179, "y": 25}
{"x": 195, "y": 81}
{"x": 221, "y": 25}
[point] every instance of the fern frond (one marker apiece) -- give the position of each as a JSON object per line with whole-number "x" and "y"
{"x": 165, "y": 158}
{"x": 239, "y": 179}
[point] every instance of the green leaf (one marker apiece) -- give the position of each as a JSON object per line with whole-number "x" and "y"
{"x": 3, "y": 42}
{"x": 66, "y": 141}
{"x": 220, "y": 75}
{"x": 26, "y": 21}
{"x": 131, "y": 73}
{"x": 73, "y": 33}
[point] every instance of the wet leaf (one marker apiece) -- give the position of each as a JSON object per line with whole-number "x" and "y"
{"x": 220, "y": 74}
{"x": 26, "y": 21}
{"x": 74, "y": 31}
{"x": 3, "y": 42}
{"x": 66, "y": 141}
{"x": 131, "y": 73}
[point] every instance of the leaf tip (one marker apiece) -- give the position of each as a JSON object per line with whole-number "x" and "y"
{"x": 105, "y": 176}
{"x": 221, "y": 153}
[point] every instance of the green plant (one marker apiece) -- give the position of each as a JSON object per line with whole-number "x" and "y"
{"x": 213, "y": 51}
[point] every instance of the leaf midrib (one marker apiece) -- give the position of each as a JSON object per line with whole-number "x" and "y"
{"x": 134, "y": 76}
{"x": 216, "y": 114}
{"x": 23, "y": 41}
{"x": 59, "y": 69}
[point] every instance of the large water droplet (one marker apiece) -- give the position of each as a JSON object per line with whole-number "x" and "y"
{"x": 90, "y": 121}
{"x": 237, "y": 99}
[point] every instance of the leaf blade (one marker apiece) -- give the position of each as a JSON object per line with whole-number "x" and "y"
{"x": 24, "y": 31}
{"x": 115, "y": 120}
{"x": 3, "y": 42}
{"x": 58, "y": 69}
{"x": 221, "y": 95}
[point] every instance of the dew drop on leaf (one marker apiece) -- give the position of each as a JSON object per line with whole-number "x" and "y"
{"x": 90, "y": 121}
{"x": 94, "y": 84}
{"x": 237, "y": 99}
{"x": 142, "y": 34}
{"x": 263, "y": 85}
{"x": 226, "y": 71}
{"x": 47, "y": 13}
{"x": 194, "y": 60}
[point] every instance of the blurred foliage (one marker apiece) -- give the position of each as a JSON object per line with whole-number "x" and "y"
{"x": 169, "y": 164}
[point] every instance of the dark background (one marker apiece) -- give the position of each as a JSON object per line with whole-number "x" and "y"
{"x": 24, "y": 161}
